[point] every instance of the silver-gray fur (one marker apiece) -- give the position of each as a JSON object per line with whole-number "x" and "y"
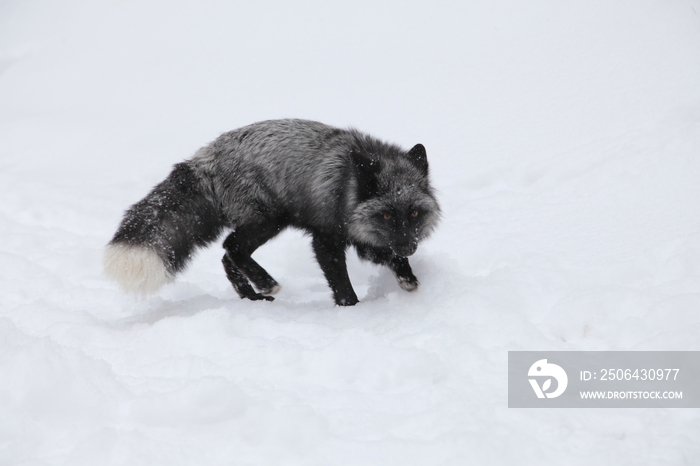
{"x": 342, "y": 186}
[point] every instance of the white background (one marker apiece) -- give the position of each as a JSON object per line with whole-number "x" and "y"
{"x": 564, "y": 140}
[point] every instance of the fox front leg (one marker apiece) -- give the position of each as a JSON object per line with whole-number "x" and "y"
{"x": 330, "y": 254}
{"x": 403, "y": 273}
{"x": 398, "y": 265}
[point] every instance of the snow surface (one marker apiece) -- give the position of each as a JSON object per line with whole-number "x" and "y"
{"x": 564, "y": 138}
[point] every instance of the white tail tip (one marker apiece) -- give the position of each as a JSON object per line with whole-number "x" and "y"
{"x": 136, "y": 269}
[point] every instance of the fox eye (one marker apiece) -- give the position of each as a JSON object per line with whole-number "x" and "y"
{"x": 414, "y": 214}
{"x": 387, "y": 217}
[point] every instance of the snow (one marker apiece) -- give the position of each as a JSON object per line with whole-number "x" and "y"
{"x": 564, "y": 140}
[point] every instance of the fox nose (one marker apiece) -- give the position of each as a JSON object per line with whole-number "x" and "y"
{"x": 405, "y": 250}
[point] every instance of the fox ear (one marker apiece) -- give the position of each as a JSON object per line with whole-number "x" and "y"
{"x": 419, "y": 158}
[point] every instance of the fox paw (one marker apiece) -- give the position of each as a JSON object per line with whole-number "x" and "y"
{"x": 259, "y": 297}
{"x": 408, "y": 284}
{"x": 272, "y": 290}
{"x": 346, "y": 301}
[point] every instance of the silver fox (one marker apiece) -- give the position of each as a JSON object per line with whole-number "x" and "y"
{"x": 341, "y": 186}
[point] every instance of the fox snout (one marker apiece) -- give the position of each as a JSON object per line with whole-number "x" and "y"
{"x": 405, "y": 249}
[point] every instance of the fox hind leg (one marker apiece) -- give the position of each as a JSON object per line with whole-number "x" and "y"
{"x": 241, "y": 267}
{"x": 240, "y": 282}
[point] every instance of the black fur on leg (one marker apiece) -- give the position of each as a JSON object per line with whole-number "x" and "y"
{"x": 398, "y": 265}
{"x": 239, "y": 246}
{"x": 403, "y": 273}
{"x": 240, "y": 282}
{"x": 330, "y": 254}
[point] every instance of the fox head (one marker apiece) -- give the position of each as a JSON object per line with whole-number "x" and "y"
{"x": 396, "y": 206}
